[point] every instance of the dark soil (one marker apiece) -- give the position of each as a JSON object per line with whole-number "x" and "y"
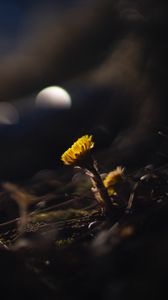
{"x": 70, "y": 250}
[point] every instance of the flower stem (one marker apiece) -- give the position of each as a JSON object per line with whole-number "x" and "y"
{"x": 99, "y": 190}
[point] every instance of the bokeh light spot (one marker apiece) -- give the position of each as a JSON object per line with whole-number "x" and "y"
{"x": 9, "y": 115}
{"x": 53, "y": 97}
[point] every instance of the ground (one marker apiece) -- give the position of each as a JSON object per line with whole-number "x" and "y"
{"x": 70, "y": 249}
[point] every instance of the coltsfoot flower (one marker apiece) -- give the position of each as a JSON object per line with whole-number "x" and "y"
{"x": 78, "y": 151}
{"x": 79, "y": 155}
{"x": 112, "y": 178}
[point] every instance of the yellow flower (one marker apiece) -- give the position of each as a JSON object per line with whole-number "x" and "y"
{"x": 112, "y": 178}
{"x": 79, "y": 155}
{"x": 78, "y": 150}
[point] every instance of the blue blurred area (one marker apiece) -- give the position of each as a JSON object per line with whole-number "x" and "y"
{"x": 13, "y": 14}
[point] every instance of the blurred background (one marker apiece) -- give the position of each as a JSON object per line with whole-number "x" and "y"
{"x": 106, "y": 64}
